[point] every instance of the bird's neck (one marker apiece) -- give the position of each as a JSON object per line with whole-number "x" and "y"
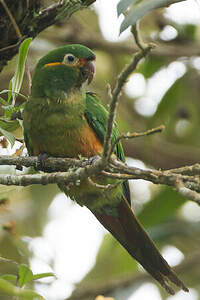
{"x": 72, "y": 98}
{"x": 54, "y": 84}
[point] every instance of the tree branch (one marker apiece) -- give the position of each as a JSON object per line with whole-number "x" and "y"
{"x": 52, "y": 164}
{"x": 115, "y": 94}
{"x": 12, "y": 19}
{"x": 29, "y": 19}
{"x": 72, "y": 176}
{"x": 69, "y": 171}
{"x": 120, "y": 171}
{"x": 188, "y": 170}
{"x": 136, "y": 134}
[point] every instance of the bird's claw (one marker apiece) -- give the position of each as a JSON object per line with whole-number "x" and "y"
{"x": 93, "y": 159}
{"x": 41, "y": 161}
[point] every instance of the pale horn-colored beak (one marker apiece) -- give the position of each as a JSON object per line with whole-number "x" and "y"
{"x": 89, "y": 68}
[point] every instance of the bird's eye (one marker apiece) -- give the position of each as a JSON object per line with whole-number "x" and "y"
{"x": 69, "y": 59}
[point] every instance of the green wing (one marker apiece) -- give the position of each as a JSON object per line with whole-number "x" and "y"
{"x": 97, "y": 117}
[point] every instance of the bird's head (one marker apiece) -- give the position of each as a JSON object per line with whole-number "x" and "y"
{"x": 62, "y": 70}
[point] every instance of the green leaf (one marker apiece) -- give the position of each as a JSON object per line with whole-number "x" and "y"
{"x": 9, "y": 136}
{"x": 8, "y": 287}
{"x": 141, "y": 9}
{"x": 10, "y": 91}
{"x": 9, "y": 125}
{"x": 43, "y": 275}
{"x": 17, "y": 79}
{"x": 25, "y": 275}
{"x": 29, "y": 295}
{"x": 9, "y": 108}
{"x": 9, "y": 277}
{"x": 124, "y": 4}
{"x": 4, "y": 102}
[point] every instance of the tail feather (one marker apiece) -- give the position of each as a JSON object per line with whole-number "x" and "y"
{"x": 128, "y": 231}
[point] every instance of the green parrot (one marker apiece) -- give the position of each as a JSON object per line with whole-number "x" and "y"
{"x": 61, "y": 119}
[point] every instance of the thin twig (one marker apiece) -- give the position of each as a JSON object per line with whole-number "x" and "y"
{"x": 13, "y": 46}
{"x": 120, "y": 171}
{"x": 115, "y": 93}
{"x": 115, "y": 96}
{"x": 138, "y": 39}
{"x": 12, "y": 19}
{"x": 187, "y": 170}
{"x": 106, "y": 187}
{"x": 36, "y": 22}
{"x": 97, "y": 185}
{"x": 187, "y": 193}
{"x": 136, "y": 134}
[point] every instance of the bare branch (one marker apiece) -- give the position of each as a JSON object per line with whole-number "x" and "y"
{"x": 136, "y": 134}
{"x": 187, "y": 170}
{"x": 60, "y": 177}
{"x": 121, "y": 171}
{"x": 187, "y": 193}
{"x": 138, "y": 39}
{"x": 115, "y": 96}
{"x": 32, "y": 21}
{"x": 115, "y": 93}
{"x": 52, "y": 164}
{"x": 73, "y": 170}
{"x": 106, "y": 187}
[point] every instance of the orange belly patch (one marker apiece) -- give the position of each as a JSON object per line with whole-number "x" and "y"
{"x": 72, "y": 143}
{"x": 90, "y": 145}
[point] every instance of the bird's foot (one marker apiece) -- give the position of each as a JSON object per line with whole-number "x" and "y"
{"x": 93, "y": 159}
{"x": 41, "y": 162}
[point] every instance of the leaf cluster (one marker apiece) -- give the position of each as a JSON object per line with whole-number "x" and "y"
{"x": 8, "y": 124}
{"x": 134, "y": 10}
{"x": 15, "y": 285}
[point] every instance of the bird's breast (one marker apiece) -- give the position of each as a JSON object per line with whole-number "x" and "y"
{"x": 60, "y": 135}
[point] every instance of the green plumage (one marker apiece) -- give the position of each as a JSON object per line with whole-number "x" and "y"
{"x": 97, "y": 117}
{"x": 62, "y": 120}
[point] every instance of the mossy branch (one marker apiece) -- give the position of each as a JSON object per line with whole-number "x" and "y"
{"x": 71, "y": 171}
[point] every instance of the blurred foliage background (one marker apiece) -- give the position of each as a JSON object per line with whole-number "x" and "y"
{"x": 163, "y": 90}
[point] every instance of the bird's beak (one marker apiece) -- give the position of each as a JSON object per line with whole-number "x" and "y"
{"x": 88, "y": 68}
{"x": 90, "y": 65}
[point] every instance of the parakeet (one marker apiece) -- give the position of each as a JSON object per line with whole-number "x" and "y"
{"x": 61, "y": 119}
